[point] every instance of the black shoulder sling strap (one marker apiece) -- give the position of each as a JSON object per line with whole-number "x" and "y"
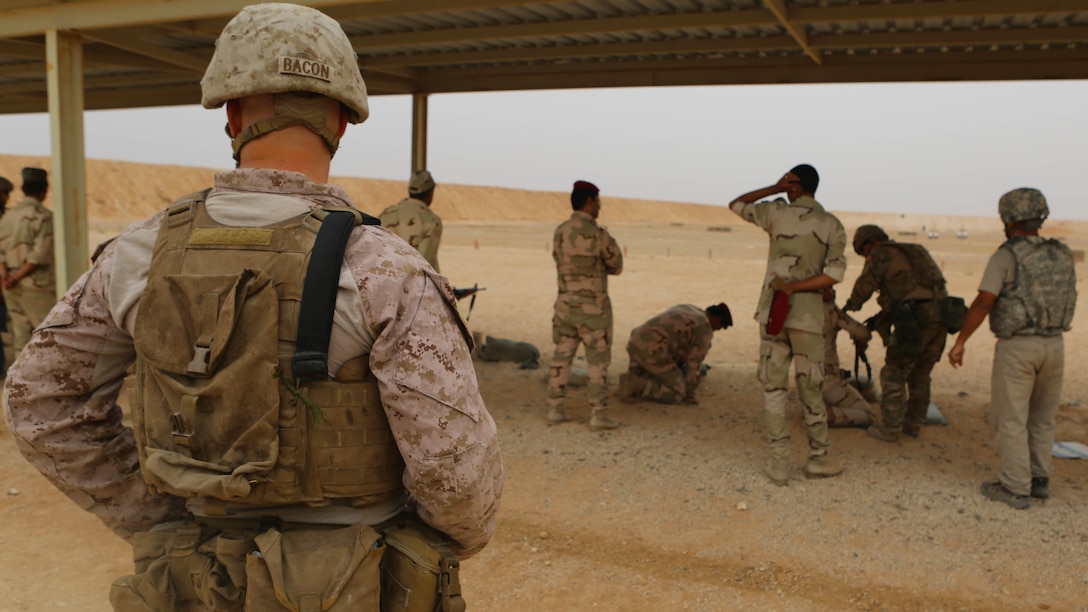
{"x": 311, "y": 360}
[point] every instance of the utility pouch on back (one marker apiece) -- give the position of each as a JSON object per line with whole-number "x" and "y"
{"x": 419, "y": 572}
{"x": 953, "y": 313}
{"x": 314, "y": 570}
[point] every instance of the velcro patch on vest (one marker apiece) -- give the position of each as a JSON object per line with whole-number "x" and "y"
{"x": 250, "y": 236}
{"x": 305, "y": 67}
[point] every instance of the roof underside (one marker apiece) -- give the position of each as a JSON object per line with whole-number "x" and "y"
{"x": 153, "y": 52}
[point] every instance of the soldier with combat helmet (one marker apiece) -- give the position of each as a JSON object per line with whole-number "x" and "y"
{"x": 27, "y": 270}
{"x": 806, "y": 256}
{"x": 585, "y": 256}
{"x": 912, "y": 292}
{"x": 1029, "y": 292}
{"x": 413, "y": 220}
{"x": 302, "y": 388}
{"x": 666, "y": 353}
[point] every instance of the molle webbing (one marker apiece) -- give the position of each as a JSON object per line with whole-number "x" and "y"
{"x": 215, "y": 410}
{"x": 1043, "y": 296}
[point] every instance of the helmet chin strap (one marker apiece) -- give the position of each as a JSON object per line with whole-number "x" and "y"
{"x": 291, "y": 109}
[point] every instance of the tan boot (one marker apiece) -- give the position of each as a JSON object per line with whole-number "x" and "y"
{"x": 823, "y": 467}
{"x": 778, "y": 467}
{"x": 884, "y": 434}
{"x": 601, "y": 420}
{"x": 556, "y": 416}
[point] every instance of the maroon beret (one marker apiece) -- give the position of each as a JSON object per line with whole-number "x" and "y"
{"x": 588, "y": 186}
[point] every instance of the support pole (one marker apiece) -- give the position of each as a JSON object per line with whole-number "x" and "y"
{"x": 68, "y": 182}
{"x": 419, "y": 132}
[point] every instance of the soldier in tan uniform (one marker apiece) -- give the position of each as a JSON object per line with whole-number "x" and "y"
{"x": 258, "y": 475}
{"x": 666, "y": 353}
{"x": 912, "y": 291}
{"x": 26, "y": 258}
{"x": 413, "y": 220}
{"x": 845, "y": 405}
{"x": 806, "y": 256}
{"x": 1029, "y": 292}
{"x": 585, "y": 255}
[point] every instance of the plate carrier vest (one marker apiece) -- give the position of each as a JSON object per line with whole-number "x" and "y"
{"x": 1043, "y": 296}
{"x": 216, "y": 410}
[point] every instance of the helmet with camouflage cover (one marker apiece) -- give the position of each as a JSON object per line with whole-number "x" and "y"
{"x": 866, "y": 234}
{"x": 291, "y": 52}
{"x": 1023, "y": 204}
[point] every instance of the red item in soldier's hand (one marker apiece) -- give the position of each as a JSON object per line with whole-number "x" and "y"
{"x": 780, "y": 308}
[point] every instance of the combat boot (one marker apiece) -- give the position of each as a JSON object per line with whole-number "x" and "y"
{"x": 823, "y": 467}
{"x": 778, "y": 467}
{"x": 601, "y": 420}
{"x": 882, "y": 434}
{"x": 556, "y": 416}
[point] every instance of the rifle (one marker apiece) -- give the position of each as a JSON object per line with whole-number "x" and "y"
{"x": 464, "y": 293}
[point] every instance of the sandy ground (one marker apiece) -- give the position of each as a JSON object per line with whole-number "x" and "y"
{"x": 670, "y": 511}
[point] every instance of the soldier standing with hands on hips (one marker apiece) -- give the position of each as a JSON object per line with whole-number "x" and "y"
{"x": 585, "y": 255}
{"x": 305, "y": 412}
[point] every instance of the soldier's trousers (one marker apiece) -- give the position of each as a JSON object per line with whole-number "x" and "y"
{"x": 1025, "y": 390}
{"x": 905, "y": 380}
{"x": 806, "y": 351}
{"x": 27, "y": 309}
{"x": 663, "y": 384}
{"x": 597, "y": 338}
{"x": 845, "y": 405}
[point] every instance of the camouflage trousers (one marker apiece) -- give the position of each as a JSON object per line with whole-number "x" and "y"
{"x": 27, "y": 309}
{"x": 596, "y": 334}
{"x": 905, "y": 380}
{"x": 845, "y": 405}
{"x": 805, "y": 350}
{"x": 665, "y": 385}
{"x": 1026, "y": 388}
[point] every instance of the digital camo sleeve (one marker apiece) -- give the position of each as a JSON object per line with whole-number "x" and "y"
{"x": 421, "y": 358}
{"x": 60, "y": 404}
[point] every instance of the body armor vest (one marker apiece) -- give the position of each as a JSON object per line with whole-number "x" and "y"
{"x": 1043, "y": 295}
{"x": 923, "y": 273}
{"x": 216, "y": 412}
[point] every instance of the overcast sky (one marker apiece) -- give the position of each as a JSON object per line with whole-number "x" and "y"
{"x": 943, "y": 148}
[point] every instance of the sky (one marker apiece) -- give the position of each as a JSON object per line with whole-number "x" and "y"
{"x": 931, "y": 148}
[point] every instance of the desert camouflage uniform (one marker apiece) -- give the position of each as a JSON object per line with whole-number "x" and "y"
{"x": 60, "y": 398}
{"x": 1029, "y": 363}
{"x": 805, "y": 241}
{"x": 845, "y": 405}
{"x": 585, "y": 254}
{"x": 26, "y": 235}
{"x": 909, "y": 359}
{"x": 416, "y": 223}
{"x": 666, "y": 353}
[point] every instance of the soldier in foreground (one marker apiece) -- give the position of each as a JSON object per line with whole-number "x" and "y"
{"x": 585, "y": 255}
{"x": 806, "y": 256}
{"x": 1029, "y": 291}
{"x": 912, "y": 293}
{"x": 27, "y": 272}
{"x": 666, "y": 353}
{"x": 272, "y": 461}
{"x": 413, "y": 220}
{"x": 845, "y": 405}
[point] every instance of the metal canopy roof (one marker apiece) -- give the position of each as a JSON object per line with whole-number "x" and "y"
{"x": 153, "y": 52}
